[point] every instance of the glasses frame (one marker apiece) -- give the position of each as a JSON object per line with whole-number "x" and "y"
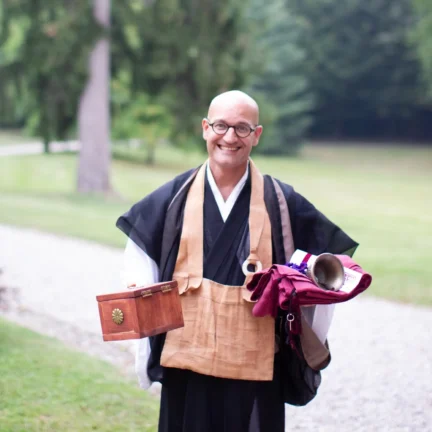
{"x": 228, "y": 128}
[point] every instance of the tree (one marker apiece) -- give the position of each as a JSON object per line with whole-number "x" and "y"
{"x": 359, "y": 63}
{"x": 93, "y": 116}
{"x": 185, "y": 51}
{"x": 143, "y": 120}
{"x": 281, "y": 86}
{"x": 47, "y": 45}
{"x": 11, "y": 97}
{"x": 180, "y": 51}
{"x": 422, "y": 37}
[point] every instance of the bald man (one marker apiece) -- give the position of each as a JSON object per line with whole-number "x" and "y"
{"x": 210, "y": 229}
{"x": 228, "y": 152}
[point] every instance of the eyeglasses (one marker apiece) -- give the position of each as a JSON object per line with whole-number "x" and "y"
{"x": 221, "y": 128}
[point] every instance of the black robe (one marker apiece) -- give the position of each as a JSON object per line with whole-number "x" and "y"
{"x": 190, "y": 401}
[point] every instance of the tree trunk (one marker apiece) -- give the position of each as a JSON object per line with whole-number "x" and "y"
{"x": 46, "y": 145}
{"x": 94, "y": 117}
{"x": 151, "y": 150}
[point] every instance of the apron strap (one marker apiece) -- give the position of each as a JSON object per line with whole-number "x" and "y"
{"x": 189, "y": 266}
{"x": 257, "y": 215}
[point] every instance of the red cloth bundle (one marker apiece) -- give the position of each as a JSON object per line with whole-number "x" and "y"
{"x": 283, "y": 287}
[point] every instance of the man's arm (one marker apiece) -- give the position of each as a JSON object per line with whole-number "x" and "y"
{"x": 140, "y": 270}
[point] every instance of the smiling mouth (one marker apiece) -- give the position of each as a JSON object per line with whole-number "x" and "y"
{"x": 228, "y": 148}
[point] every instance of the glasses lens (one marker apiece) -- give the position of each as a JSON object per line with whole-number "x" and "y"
{"x": 220, "y": 128}
{"x": 242, "y": 131}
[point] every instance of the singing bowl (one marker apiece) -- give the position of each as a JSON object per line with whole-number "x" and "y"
{"x": 327, "y": 272}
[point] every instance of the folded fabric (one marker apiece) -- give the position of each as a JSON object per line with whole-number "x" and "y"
{"x": 283, "y": 287}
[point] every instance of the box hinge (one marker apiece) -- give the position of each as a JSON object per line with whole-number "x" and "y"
{"x": 166, "y": 288}
{"x": 146, "y": 293}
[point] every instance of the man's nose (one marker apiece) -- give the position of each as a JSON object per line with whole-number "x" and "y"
{"x": 230, "y": 135}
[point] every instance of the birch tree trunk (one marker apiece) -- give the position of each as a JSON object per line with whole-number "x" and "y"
{"x": 94, "y": 163}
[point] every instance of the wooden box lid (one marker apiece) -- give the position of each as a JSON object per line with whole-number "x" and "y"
{"x": 142, "y": 291}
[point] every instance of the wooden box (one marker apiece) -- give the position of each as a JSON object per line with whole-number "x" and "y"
{"x": 141, "y": 312}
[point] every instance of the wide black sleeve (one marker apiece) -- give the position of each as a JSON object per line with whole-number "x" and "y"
{"x": 144, "y": 222}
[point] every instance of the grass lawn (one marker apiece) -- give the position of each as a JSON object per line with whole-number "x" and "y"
{"x": 46, "y": 387}
{"x": 379, "y": 195}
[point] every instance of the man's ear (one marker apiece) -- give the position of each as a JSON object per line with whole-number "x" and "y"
{"x": 257, "y": 133}
{"x": 205, "y": 127}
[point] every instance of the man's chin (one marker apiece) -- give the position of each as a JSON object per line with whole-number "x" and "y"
{"x": 229, "y": 161}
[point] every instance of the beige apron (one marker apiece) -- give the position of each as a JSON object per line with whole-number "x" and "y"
{"x": 221, "y": 337}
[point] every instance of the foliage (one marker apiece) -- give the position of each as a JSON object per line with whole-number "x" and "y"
{"x": 12, "y": 97}
{"x": 140, "y": 118}
{"x": 178, "y": 52}
{"x": 46, "y": 386}
{"x": 183, "y": 51}
{"x": 46, "y": 46}
{"x": 282, "y": 81}
{"x": 358, "y": 61}
{"x": 348, "y": 66}
{"x": 422, "y": 36}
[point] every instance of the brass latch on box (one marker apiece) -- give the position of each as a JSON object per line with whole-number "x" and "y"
{"x": 146, "y": 293}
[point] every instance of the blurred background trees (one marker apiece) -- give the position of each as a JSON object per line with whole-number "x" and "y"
{"x": 422, "y": 39}
{"x": 279, "y": 81}
{"x": 319, "y": 68}
{"x": 43, "y": 63}
{"x": 362, "y": 68}
{"x": 181, "y": 53}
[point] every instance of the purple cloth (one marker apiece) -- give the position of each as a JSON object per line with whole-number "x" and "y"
{"x": 283, "y": 287}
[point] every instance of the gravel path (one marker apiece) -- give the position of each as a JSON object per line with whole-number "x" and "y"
{"x": 37, "y": 148}
{"x": 380, "y": 378}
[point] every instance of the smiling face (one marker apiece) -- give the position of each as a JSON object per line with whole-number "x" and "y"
{"x": 229, "y": 152}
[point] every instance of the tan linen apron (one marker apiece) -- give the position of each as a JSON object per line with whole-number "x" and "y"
{"x": 221, "y": 337}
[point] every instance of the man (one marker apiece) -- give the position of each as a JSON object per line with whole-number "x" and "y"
{"x": 210, "y": 229}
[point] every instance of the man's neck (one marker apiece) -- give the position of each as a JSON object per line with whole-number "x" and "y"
{"x": 227, "y": 179}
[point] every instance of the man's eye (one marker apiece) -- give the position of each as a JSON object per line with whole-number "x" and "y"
{"x": 242, "y": 129}
{"x": 220, "y": 126}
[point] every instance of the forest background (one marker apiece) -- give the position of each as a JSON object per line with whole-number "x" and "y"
{"x": 348, "y": 70}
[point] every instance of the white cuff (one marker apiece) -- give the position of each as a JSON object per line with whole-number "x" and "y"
{"x": 141, "y": 360}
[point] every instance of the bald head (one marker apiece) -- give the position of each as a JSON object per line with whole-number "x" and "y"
{"x": 230, "y": 114}
{"x": 235, "y": 99}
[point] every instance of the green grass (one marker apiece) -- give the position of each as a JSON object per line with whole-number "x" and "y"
{"x": 46, "y": 387}
{"x": 379, "y": 195}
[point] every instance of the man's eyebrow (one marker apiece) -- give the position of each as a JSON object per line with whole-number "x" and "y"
{"x": 242, "y": 122}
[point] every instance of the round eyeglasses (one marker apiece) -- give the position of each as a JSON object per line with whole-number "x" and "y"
{"x": 221, "y": 128}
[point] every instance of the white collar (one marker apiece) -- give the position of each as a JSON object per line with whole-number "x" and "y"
{"x": 225, "y": 207}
